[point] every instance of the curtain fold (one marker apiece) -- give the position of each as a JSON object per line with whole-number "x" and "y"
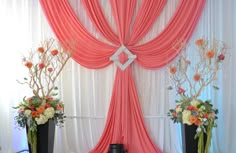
{"x": 95, "y": 13}
{"x": 68, "y": 28}
{"x": 122, "y": 12}
{"x": 147, "y": 15}
{"x": 125, "y": 122}
{"x": 70, "y": 32}
{"x": 159, "y": 51}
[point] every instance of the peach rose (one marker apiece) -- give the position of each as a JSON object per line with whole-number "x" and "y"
{"x": 54, "y": 52}
{"x": 197, "y": 122}
{"x": 40, "y": 109}
{"x": 172, "y": 70}
{"x": 41, "y": 49}
{"x": 28, "y": 64}
{"x": 199, "y": 42}
{"x": 210, "y": 54}
{"x": 193, "y": 119}
{"x": 34, "y": 114}
{"x": 196, "y": 77}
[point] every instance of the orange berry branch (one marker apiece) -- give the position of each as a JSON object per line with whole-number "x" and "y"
{"x": 196, "y": 74}
{"x": 44, "y": 65}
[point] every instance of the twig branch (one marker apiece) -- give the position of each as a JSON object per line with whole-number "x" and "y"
{"x": 45, "y": 65}
{"x": 205, "y": 70}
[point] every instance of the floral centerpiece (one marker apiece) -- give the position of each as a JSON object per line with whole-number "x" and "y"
{"x": 189, "y": 79}
{"x": 44, "y": 66}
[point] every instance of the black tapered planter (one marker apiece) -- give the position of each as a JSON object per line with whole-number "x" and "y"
{"x": 190, "y": 145}
{"x": 45, "y": 137}
{"x": 116, "y": 148}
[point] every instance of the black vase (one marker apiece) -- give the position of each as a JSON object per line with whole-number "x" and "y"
{"x": 116, "y": 148}
{"x": 190, "y": 145}
{"x": 45, "y": 137}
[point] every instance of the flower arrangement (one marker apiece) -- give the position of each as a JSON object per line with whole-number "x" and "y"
{"x": 44, "y": 66}
{"x": 195, "y": 76}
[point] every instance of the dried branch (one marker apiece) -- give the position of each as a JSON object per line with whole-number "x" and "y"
{"x": 202, "y": 72}
{"x": 45, "y": 65}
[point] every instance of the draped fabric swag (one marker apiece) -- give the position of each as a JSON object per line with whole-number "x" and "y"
{"x": 125, "y": 122}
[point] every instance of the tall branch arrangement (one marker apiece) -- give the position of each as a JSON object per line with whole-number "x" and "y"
{"x": 189, "y": 78}
{"x": 44, "y": 65}
{"x": 201, "y": 73}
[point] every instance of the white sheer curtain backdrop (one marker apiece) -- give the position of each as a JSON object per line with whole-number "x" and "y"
{"x": 86, "y": 93}
{"x": 22, "y": 27}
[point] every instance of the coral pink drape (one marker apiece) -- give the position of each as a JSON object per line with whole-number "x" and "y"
{"x": 125, "y": 122}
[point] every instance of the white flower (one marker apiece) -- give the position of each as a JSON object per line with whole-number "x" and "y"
{"x": 185, "y": 117}
{"x": 195, "y": 103}
{"x": 49, "y": 112}
{"x": 199, "y": 129}
{"x": 41, "y": 120}
{"x": 27, "y": 112}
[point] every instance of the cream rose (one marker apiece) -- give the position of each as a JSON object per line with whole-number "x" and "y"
{"x": 41, "y": 120}
{"x": 185, "y": 117}
{"x": 195, "y": 103}
{"x": 27, "y": 113}
{"x": 49, "y": 112}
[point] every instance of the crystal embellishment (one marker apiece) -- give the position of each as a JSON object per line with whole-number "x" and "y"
{"x": 115, "y": 57}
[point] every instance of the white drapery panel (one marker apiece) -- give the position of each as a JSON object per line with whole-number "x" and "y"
{"x": 86, "y": 93}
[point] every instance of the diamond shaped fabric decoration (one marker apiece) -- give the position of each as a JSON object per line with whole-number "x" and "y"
{"x": 115, "y": 57}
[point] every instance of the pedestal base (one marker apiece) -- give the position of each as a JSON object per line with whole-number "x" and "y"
{"x": 45, "y": 137}
{"x": 190, "y": 145}
{"x": 116, "y": 148}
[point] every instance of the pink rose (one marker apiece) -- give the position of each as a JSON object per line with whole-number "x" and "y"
{"x": 29, "y": 99}
{"x": 181, "y": 90}
{"x": 21, "y": 109}
{"x": 59, "y": 107}
{"x": 50, "y": 98}
{"x": 41, "y": 65}
{"x": 221, "y": 57}
{"x": 47, "y": 105}
{"x": 31, "y": 107}
{"x": 50, "y": 69}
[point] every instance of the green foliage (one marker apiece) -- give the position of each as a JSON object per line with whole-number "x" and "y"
{"x": 216, "y": 87}
{"x": 21, "y": 120}
{"x": 35, "y": 101}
